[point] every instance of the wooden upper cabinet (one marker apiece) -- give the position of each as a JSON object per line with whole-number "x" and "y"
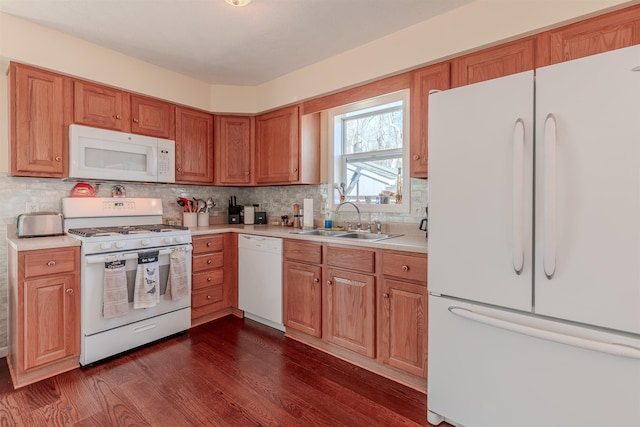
{"x": 434, "y": 77}
{"x": 603, "y": 33}
{"x": 38, "y": 144}
{"x": 277, "y": 149}
{"x": 152, "y": 117}
{"x": 101, "y": 106}
{"x": 194, "y": 146}
{"x": 499, "y": 61}
{"x": 234, "y": 136}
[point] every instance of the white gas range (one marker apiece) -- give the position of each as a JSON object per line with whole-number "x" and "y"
{"x": 125, "y": 229}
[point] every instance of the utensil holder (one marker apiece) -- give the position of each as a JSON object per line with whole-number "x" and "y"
{"x": 203, "y": 219}
{"x": 190, "y": 219}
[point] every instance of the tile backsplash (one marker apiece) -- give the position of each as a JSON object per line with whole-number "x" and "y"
{"x": 17, "y": 193}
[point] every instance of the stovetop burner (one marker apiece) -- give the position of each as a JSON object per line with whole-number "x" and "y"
{"x": 127, "y": 229}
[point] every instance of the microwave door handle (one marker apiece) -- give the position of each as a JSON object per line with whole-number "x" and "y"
{"x": 152, "y": 161}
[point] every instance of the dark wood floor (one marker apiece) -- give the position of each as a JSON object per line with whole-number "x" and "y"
{"x": 230, "y": 372}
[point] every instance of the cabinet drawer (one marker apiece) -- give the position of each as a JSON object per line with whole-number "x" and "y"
{"x": 208, "y": 261}
{"x": 404, "y": 265}
{"x": 212, "y": 295}
{"x": 206, "y": 244}
{"x": 303, "y": 251}
{"x": 354, "y": 258}
{"x": 40, "y": 263}
{"x": 207, "y": 278}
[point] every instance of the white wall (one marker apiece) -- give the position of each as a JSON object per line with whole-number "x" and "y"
{"x": 480, "y": 23}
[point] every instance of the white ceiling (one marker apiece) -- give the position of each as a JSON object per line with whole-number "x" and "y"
{"x": 220, "y": 44}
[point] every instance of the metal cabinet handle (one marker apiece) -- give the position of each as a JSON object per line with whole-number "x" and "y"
{"x": 405, "y": 268}
{"x": 118, "y": 116}
{"x": 136, "y": 120}
{"x": 316, "y": 280}
{"x": 58, "y": 158}
{"x": 246, "y": 173}
{"x": 208, "y": 296}
{"x": 209, "y": 279}
{"x": 295, "y": 169}
{"x": 416, "y": 157}
{"x": 209, "y": 261}
{"x": 51, "y": 263}
{"x": 209, "y": 244}
{"x": 69, "y": 291}
{"x": 329, "y": 282}
{"x": 385, "y": 295}
{"x": 180, "y": 170}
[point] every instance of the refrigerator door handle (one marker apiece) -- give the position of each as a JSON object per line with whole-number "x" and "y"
{"x": 599, "y": 346}
{"x": 518, "y": 196}
{"x": 550, "y": 188}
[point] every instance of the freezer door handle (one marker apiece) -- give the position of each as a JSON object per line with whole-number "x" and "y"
{"x": 614, "y": 349}
{"x": 518, "y": 196}
{"x": 550, "y": 188}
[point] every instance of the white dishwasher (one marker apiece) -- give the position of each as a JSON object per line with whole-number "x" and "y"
{"x": 260, "y": 279}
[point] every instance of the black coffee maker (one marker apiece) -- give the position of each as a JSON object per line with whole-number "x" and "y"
{"x": 425, "y": 222}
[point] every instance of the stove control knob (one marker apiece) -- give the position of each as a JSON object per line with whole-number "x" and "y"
{"x": 119, "y": 245}
{"x": 105, "y": 245}
{"x": 178, "y": 239}
{"x": 145, "y": 242}
{"x": 166, "y": 240}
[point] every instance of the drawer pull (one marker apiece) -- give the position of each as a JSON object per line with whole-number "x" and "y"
{"x": 385, "y": 295}
{"x": 209, "y": 261}
{"x": 58, "y": 158}
{"x": 135, "y": 120}
{"x": 51, "y": 263}
{"x": 69, "y": 291}
{"x": 405, "y": 268}
{"x": 316, "y": 280}
{"x": 208, "y": 296}
{"x": 209, "y": 279}
{"x": 118, "y": 116}
{"x": 329, "y": 282}
{"x": 209, "y": 244}
{"x": 416, "y": 157}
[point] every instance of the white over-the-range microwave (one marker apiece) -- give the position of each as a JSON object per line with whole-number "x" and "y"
{"x": 118, "y": 156}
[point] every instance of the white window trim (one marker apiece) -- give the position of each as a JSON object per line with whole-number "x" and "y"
{"x": 335, "y": 136}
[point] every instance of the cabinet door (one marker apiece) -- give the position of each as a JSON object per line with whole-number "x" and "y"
{"x": 38, "y": 137}
{"x": 349, "y": 310}
{"x": 277, "y": 147}
{"x": 100, "y": 106}
{"x": 500, "y": 61}
{"x": 597, "y": 35}
{"x": 403, "y": 326}
{"x": 51, "y": 312}
{"x": 194, "y": 146}
{"x": 424, "y": 81}
{"x": 303, "y": 297}
{"x": 234, "y": 145}
{"x": 152, "y": 117}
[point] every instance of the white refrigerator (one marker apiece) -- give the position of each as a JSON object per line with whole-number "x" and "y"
{"x": 534, "y": 247}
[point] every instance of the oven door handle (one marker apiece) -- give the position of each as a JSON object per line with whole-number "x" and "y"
{"x": 129, "y": 255}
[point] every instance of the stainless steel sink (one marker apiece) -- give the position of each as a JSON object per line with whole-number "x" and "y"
{"x": 369, "y": 236}
{"x": 372, "y": 237}
{"x": 333, "y": 233}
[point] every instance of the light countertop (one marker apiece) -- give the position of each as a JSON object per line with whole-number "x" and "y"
{"x": 36, "y": 243}
{"x": 408, "y": 242}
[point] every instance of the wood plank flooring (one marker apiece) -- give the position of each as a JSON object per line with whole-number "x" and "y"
{"x": 229, "y": 372}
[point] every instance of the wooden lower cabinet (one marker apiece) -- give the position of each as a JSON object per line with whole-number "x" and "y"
{"x": 349, "y": 310}
{"x": 44, "y": 313}
{"x": 371, "y": 307}
{"x": 214, "y": 290}
{"x": 302, "y": 291}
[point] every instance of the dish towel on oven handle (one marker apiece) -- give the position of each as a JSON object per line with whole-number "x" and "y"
{"x": 178, "y": 281}
{"x": 115, "y": 299}
{"x": 146, "y": 291}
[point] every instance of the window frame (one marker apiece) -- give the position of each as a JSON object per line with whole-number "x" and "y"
{"x": 337, "y": 159}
